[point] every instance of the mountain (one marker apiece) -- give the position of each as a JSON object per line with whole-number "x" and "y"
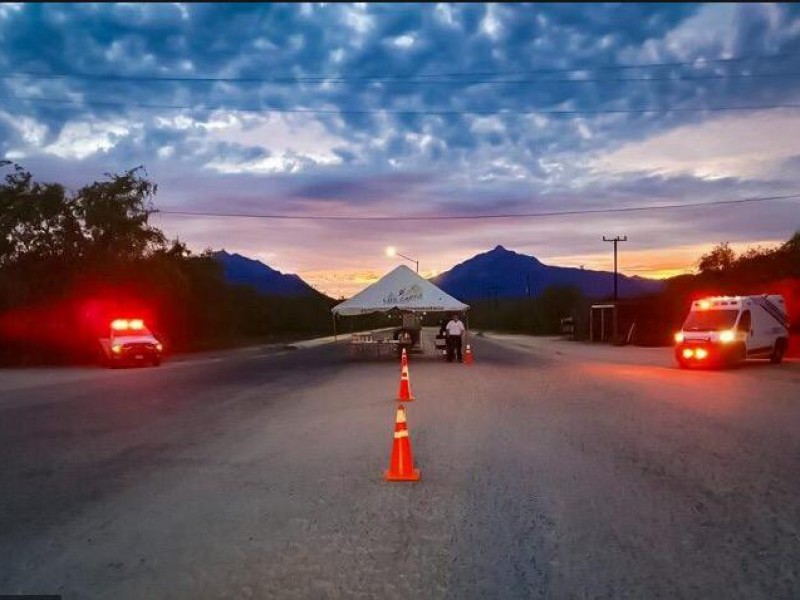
{"x": 241, "y": 270}
{"x": 507, "y": 274}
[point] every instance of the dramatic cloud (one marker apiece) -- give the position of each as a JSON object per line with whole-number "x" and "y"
{"x": 447, "y": 109}
{"x": 733, "y": 146}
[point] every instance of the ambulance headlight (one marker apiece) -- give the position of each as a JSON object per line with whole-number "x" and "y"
{"x": 678, "y": 337}
{"x": 727, "y": 337}
{"x": 116, "y": 348}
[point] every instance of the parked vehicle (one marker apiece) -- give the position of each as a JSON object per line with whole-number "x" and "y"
{"x": 130, "y": 342}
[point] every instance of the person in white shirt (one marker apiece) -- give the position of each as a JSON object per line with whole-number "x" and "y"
{"x": 455, "y": 332}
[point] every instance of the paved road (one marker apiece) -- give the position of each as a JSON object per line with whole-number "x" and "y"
{"x": 549, "y": 470}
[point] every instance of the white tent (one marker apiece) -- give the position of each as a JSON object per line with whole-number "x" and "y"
{"x": 402, "y": 289}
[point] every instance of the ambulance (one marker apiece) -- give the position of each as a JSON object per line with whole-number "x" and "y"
{"x": 726, "y": 330}
{"x": 130, "y": 342}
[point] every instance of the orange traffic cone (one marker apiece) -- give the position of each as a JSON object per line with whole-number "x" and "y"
{"x": 401, "y": 464}
{"x": 404, "y": 395}
{"x": 404, "y": 358}
{"x": 468, "y": 358}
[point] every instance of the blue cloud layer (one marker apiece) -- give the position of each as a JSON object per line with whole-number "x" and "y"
{"x": 341, "y": 58}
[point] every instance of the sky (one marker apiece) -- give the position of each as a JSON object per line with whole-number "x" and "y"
{"x": 354, "y": 110}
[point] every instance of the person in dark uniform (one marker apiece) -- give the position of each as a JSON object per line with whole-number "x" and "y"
{"x": 441, "y": 338}
{"x": 442, "y": 327}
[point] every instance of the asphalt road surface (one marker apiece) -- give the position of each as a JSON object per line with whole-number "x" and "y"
{"x": 550, "y": 469}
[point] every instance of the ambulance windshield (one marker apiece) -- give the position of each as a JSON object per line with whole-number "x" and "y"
{"x": 710, "y": 320}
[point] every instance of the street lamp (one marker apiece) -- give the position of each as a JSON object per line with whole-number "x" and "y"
{"x": 392, "y": 251}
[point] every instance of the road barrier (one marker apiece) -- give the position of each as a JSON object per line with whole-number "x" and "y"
{"x": 401, "y": 463}
{"x": 404, "y": 395}
{"x": 468, "y": 358}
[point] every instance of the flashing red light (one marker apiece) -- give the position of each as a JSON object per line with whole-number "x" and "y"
{"x": 125, "y": 324}
{"x": 688, "y": 353}
{"x": 701, "y": 353}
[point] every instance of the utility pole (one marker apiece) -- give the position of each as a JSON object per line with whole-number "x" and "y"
{"x": 615, "y": 240}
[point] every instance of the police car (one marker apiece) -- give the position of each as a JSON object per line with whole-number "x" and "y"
{"x": 130, "y": 342}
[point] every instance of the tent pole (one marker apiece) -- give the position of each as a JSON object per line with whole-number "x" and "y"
{"x": 333, "y": 315}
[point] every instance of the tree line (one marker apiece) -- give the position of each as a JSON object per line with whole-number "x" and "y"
{"x": 758, "y": 270}
{"x": 721, "y": 272}
{"x": 69, "y": 259}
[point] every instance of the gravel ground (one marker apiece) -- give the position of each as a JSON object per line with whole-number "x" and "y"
{"x": 549, "y": 470}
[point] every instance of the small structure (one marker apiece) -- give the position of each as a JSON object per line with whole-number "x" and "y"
{"x": 568, "y": 328}
{"x": 601, "y": 325}
{"x": 400, "y": 290}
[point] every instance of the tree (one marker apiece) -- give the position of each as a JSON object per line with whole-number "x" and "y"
{"x": 114, "y": 217}
{"x": 102, "y": 224}
{"x": 35, "y": 218}
{"x": 65, "y": 258}
{"x": 792, "y": 246}
{"x": 721, "y": 258}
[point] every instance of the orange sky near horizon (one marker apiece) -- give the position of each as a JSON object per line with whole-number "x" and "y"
{"x": 660, "y": 263}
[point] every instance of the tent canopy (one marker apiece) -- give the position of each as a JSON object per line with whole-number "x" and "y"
{"x": 402, "y": 289}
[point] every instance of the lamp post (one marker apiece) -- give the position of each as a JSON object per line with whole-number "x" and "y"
{"x": 392, "y": 251}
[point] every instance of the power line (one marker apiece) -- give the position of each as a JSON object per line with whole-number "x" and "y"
{"x": 333, "y": 111}
{"x": 480, "y": 81}
{"x": 692, "y": 63}
{"x": 412, "y": 77}
{"x": 587, "y": 211}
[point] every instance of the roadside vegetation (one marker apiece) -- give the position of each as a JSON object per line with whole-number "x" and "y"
{"x": 536, "y": 316}
{"x": 758, "y": 270}
{"x": 71, "y": 258}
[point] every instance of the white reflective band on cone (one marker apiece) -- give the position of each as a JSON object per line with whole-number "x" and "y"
{"x": 400, "y": 434}
{"x": 401, "y": 416}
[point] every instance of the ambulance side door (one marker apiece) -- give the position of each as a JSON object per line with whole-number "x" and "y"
{"x": 745, "y": 328}
{"x": 762, "y": 338}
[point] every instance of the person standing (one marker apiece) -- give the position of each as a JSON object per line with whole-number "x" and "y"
{"x": 442, "y": 327}
{"x": 455, "y": 332}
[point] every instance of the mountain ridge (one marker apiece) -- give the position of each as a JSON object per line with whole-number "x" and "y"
{"x": 504, "y": 273}
{"x": 498, "y": 272}
{"x": 241, "y": 270}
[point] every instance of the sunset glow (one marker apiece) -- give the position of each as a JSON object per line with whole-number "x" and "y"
{"x": 321, "y": 140}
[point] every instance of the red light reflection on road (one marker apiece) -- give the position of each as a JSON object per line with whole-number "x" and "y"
{"x": 702, "y": 390}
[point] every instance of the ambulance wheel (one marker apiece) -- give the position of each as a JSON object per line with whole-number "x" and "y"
{"x": 778, "y": 351}
{"x": 738, "y": 358}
